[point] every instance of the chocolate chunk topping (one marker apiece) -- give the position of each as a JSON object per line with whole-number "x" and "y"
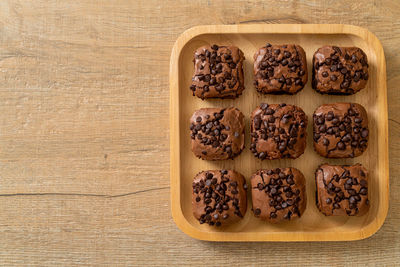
{"x": 280, "y": 69}
{"x": 217, "y": 134}
{"x": 219, "y": 197}
{"x": 278, "y": 194}
{"x": 218, "y": 72}
{"x": 346, "y": 67}
{"x": 340, "y": 190}
{"x": 278, "y": 131}
{"x": 340, "y": 130}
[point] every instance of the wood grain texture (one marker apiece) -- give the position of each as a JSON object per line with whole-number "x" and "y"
{"x": 84, "y": 149}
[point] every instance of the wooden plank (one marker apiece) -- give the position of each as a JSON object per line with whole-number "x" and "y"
{"x": 81, "y": 80}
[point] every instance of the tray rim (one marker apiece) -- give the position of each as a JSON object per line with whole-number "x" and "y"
{"x": 382, "y": 124}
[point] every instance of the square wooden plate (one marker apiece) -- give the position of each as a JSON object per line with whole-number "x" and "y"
{"x": 312, "y": 226}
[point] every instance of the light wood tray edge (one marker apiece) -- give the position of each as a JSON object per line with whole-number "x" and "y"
{"x": 383, "y": 149}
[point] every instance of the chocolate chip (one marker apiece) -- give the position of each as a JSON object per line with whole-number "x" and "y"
{"x": 328, "y": 201}
{"x": 260, "y": 186}
{"x": 345, "y": 84}
{"x": 363, "y": 191}
{"x": 333, "y": 77}
{"x": 214, "y": 47}
{"x": 269, "y": 111}
{"x": 358, "y": 120}
{"x": 287, "y": 54}
{"x": 325, "y": 74}
{"x": 341, "y": 146}
{"x": 364, "y": 133}
{"x": 264, "y": 106}
{"x": 273, "y": 191}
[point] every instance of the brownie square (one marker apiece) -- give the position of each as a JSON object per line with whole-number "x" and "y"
{"x": 216, "y": 133}
{"x": 340, "y": 130}
{"x": 278, "y": 194}
{"x": 219, "y": 197}
{"x": 218, "y": 72}
{"x": 278, "y": 131}
{"x": 339, "y": 70}
{"x": 280, "y": 69}
{"x": 342, "y": 190}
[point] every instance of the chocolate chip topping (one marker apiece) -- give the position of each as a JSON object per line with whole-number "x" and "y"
{"x": 217, "y": 134}
{"x": 219, "y": 197}
{"x": 340, "y": 130}
{"x": 218, "y": 72}
{"x": 342, "y": 190}
{"x": 278, "y": 194}
{"x": 280, "y": 69}
{"x": 339, "y": 70}
{"x": 278, "y": 131}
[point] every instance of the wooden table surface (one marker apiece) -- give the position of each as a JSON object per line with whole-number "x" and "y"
{"x": 84, "y": 137}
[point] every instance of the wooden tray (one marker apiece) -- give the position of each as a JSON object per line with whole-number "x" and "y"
{"x": 312, "y": 226}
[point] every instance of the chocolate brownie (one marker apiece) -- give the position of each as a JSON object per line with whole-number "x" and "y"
{"x": 218, "y": 72}
{"x": 280, "y": 69}
{"x": 278, "y": 194}
{"x": 342, "y": 190}
{"x": 219, "y": 197}
{"x": 217, "y": 133}
{"x": 278, "y": 131}
{"x": 340, "y": 130}
{"x": 339, "y": 70}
